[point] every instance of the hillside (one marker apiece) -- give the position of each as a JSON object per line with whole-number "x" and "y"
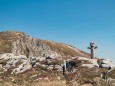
{"x": 20, "y": 43}
{"x": 23, "y": 62}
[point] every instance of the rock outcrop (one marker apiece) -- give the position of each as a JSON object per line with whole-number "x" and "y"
{"x": 16, "y": 49}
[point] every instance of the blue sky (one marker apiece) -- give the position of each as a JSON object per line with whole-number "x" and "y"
{"x": 75, "y": 22}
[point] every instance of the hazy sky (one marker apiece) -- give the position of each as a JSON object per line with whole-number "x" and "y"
{"x": 75, "y": 22}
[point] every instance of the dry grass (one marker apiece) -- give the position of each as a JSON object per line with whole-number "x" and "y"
{"x": 5, "y": 46}
{"x": 52, "y": 83}
{"x": 63, "y": 49}
{"x": 6, "y": 39}
{"x": 112, "y": 74}
{"x": 83, "y": 75}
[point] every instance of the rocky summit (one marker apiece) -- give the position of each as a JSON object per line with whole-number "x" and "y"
{"x": 27, "y": 61}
